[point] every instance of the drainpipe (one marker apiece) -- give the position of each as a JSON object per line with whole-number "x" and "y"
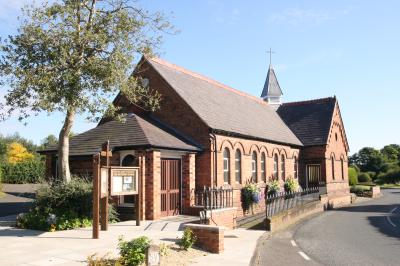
{"x": 214, "y": 141}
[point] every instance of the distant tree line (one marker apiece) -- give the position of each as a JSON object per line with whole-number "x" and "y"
{"x": 19, "y": 160}
{"x": 380, "y": 166}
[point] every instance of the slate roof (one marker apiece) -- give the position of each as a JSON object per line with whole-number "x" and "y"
{"x": 134, "y": 132}
{"x": 309, "y": 120}
{"x": 271, "y": 85}
{"x": 223, "y": 108}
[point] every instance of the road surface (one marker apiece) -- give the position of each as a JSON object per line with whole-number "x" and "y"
{"x": 367, "y": 233}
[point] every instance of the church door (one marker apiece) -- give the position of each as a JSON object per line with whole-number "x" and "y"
{"x": 313, "y": 175}
{"x": 170, "y": 186}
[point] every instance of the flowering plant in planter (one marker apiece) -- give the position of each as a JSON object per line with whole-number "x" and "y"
{"x": 273, "y": 187}
{"x": 251, "y": 194}
{"x": 291, "y": 185}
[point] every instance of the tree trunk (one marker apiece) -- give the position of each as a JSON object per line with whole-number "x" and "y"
{"x": 63, "y": 147}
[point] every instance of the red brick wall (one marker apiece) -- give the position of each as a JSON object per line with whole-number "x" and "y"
{"x": 223, "y": 217}
{"x": 152, "y": 185}
{"x": 209, "y": 237}
{"x": 188, "y": 182}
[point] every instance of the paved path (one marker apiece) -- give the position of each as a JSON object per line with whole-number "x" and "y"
{"x": 30, "y": 247}
{"x": 367, "y": 233}
{"x": 17, "y": 198}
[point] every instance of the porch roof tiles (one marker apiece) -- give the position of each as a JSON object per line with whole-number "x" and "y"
{"x": 135, "y": 132}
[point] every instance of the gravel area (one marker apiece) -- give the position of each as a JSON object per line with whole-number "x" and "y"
{"x": 179, "y": 257}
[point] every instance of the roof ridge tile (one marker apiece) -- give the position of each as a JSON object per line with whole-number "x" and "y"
{"x": 207, "y": 79}
{"x": 319, "y": 100}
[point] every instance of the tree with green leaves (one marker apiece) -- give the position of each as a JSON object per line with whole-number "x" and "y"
{"x": 73, "y": 56}
{"x": 368, "y": 159}
{"x": 391, "y": 152}
{"x": 48, "y": 141}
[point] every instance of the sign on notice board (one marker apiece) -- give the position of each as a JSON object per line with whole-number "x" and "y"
{"x": 124, "y": 181}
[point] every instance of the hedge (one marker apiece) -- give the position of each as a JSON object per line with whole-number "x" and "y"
{"x": 353, "y": 176}
{"x": 364, "y": 178}
{"x": 30, "y": 171}
{"x": 390, "y": 177}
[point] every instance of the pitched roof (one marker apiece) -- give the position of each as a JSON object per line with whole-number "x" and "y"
{"x": 224, "y": 108}
{"x": 134, "y": 132}
{"x": 271, "y": 85}
{"x": 309, "y": 120}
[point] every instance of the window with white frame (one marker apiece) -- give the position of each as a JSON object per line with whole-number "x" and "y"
{"x": 283, "y": 174}
{"x": 296, "y": 168}
{"x": 238, "y": 166}
{"x": 226, "y": 165}
{"x": 263, "y": 169}
{"x": 254, "y": 167}
{"x": 276, "y": 166}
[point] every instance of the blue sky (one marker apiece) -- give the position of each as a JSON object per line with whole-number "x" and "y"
{"x": 323, "y": 48}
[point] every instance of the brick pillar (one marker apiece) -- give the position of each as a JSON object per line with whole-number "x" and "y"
{"x": 152, "y": 184}
{"x": 188, "y": 182}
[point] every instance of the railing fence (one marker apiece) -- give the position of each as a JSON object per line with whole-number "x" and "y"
{"x": 214, "y": 198}
{"x": 282, "y": 201}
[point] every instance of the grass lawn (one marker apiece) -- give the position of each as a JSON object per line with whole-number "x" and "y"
{"x": 363, "y": 187}
{"x": 390, "y": 186}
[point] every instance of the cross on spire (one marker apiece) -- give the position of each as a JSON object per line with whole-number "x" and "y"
{"x": 270, "y": 52}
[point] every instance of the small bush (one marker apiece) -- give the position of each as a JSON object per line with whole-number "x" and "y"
{"x": 62, "y": 206}
{"x": 187, "y": 240}
{"x": 94, "y": 260}
{"x": 361, "y": 191}
{"x": 291, "y": 185}
{"x": 133, "y": 252}
{"x": 164, "y": 249}
{"x": 353, "y": 176}
{"x": 364, "y": 178}
{"x": 29, "y": 171}
{"x": 372, "y": 174}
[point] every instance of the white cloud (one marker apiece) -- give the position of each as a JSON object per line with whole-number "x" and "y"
{"x": 300, "y": 16}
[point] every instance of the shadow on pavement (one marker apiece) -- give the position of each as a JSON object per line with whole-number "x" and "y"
{"x": 383, "y": 226}
{"x": 9, "y": 208}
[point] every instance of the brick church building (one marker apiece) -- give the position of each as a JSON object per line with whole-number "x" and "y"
{"x": 207, "y": 134}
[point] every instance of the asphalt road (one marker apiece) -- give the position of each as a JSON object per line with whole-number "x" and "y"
{"x": 367, "y": 233}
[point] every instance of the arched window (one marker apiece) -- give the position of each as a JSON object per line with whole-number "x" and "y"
{"x": 283, "y": 175}
{"x": 276, "y": 166}
{"x": 238, "y": 166}
{"x": 226, "y": 165}
{"x": 254, "y": 167}
{"x": 333, "y": 168}
{"x": 296, "y": 168}
{"x": 263, "y": 169}
{"x": 130, "y": 160}
{"x": 342, "y": 166}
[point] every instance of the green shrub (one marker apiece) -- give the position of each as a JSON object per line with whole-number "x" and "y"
{"x": 364, "y": 178}
{"x": 359, "y": 190}
{"x": 353, "y": 176}
{"x": 133, "y": 252}
{"x": 372, "y": 174}
{"x": 391, "y": 177}
{"x": 62, "y": 206}
{"x": 30, "y": 171}
{"x": 291, "y": 185}
{"x": 188, "y": 239}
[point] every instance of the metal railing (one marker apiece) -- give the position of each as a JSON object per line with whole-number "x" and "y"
{"x": 214, "y": 198}
{"x": 283, "y": 201}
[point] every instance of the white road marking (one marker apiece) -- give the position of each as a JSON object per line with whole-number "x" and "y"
{"x": 293, "y": 243}
{"x": 304, "y": 255}
{"x": 388, "y": 217}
